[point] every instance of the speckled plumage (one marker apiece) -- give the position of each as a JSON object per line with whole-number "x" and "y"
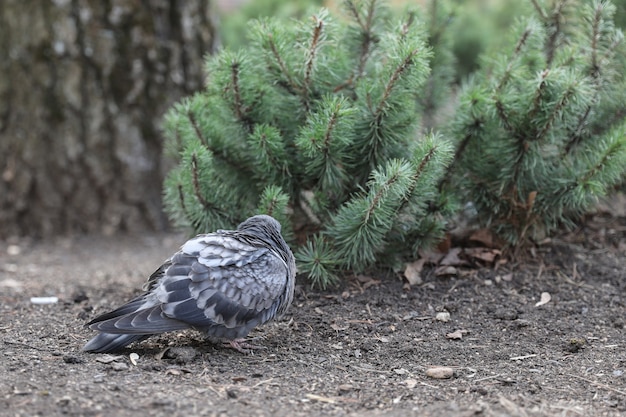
{"x": 223, "y": 284}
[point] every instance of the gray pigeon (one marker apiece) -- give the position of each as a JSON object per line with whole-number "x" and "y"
{"x": 223, "y": 284}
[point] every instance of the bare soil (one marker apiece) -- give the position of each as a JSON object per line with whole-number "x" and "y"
{"x": 362, "y": 349}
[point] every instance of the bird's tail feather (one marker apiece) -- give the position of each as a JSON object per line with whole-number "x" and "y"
{"x": 108, "y": 342}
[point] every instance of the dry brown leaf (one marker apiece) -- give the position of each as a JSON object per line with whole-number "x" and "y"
{"x": 485, "y": 237}
{"x": 371, "y": 283}
{"x": 445, "y": 244}
{"x": 545, "y": 298}
{"x": 413, "y": 270}
{"x": 483, "y": 254}
{"x": 363, "y": 278}
{"x": 366, "y": 281}
{"x": 445, "y": 271}
{"x": 530, "y": 201}
{"x": 431, "y": 257}
{"x": 452, "y": 258}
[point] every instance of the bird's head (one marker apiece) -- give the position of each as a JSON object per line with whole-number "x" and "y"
{"x": 261, "y": 223}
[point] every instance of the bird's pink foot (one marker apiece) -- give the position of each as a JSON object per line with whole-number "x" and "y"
{"x": 242, "y": 345}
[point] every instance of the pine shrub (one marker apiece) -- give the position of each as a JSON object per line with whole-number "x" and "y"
{"x": 540, "y": 129}
{"x": 316, "y": 123}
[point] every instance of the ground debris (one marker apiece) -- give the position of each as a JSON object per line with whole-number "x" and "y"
{"x": 106, "y": 358}
{"x": 457, "y": 334}
{"x": 545, "y": 299}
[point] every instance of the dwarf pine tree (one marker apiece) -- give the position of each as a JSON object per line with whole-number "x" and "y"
{"x": 316, "y": 124}
{"x": 541, "y": 129}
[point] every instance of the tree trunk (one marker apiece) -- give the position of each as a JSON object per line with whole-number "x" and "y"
{"x": 83, "y": 89}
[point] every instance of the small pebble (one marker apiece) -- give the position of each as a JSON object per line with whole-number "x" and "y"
{"x": 14, "y": 250}
{"x": 345, "y": 387}
{"x": 64, "y": 401}
{"x": 440, "y": 372}
{"x": 443, "y": 316}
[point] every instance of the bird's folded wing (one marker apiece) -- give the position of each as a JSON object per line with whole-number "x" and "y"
{"x": 213, "y": 279}
{"x": 220, "y": 280}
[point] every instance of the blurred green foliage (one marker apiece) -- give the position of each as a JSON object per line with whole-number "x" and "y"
{"x": 234, "y": 24}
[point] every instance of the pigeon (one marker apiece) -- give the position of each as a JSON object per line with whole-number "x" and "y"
{"x": 223, "y": 284}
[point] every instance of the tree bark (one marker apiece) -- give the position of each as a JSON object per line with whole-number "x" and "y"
{"x": 83, "y": 88}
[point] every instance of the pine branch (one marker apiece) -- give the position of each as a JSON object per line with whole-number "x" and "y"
{"x": 312, "y": 51}
{"x": 460, "y": 151}
{"x": 289, "y": 84}
{"x": 517, "y": 51}
{"x": 595, "y": 38}
{"x": 552, "y": 42}
{"x": 239, "y": 112}
{"x": 367, "y": 39}
{"x": 406, "y": 26}
{"x": 332, "y": 122}
{"x": 612, "y": 48}
{"x": 538, "y": 96}
{"x": 539, "y": 10}
{"x": 504, "y": 118}
{"x": 360, "y": 226}
{"x": 196, "y": 184}
{"x": 557, "y": 110}
{"x": 614, "y": 152}
{"x": 181, "y": 198}
{"x": 238, "y": 106}
{"x": 577, "y": 137}
{"x": 402, "y": 68}
{"x": 419, "y": 171}
{"x": 318, "y": 259}
{"x": 192, "y": 120}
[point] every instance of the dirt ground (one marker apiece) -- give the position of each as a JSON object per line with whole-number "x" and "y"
{"x": 362, "y": 349}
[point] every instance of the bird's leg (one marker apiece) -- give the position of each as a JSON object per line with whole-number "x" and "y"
{"x": 242, "y": 345}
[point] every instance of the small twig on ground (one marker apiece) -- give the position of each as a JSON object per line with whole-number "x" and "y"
{"x": 564, "y": 408}
{"x": 22, "y": 345}
{"x": 487, "y": 377}
{"x": 311, "y": 363}
{"x": 599, "y": 384}
{"x": 358, "y": 368}
{"x": 517, "y": 358}
{"x": 570, "y": 281}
